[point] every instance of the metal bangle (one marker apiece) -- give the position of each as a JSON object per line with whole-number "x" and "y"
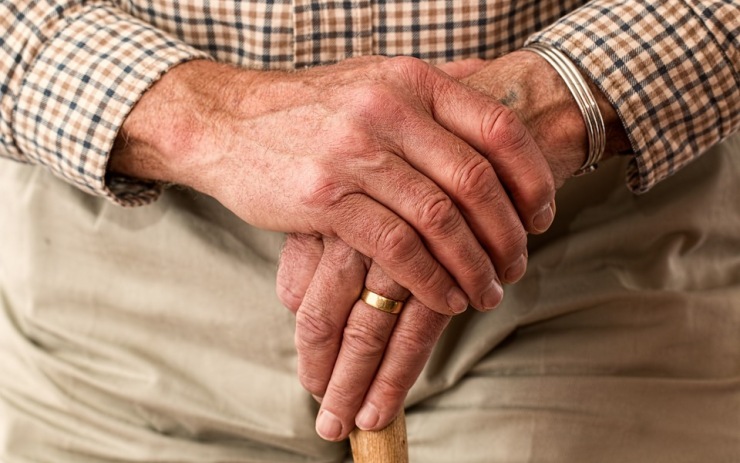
{"x": 595, "y": 129}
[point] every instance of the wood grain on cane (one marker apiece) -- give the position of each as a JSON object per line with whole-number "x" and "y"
{"x": 388, "y": 445}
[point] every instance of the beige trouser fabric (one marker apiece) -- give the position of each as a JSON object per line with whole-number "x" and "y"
{"x": 154, "y": 335}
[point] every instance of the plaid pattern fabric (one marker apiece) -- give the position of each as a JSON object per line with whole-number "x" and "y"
{"x": 671, "y": 69}
{"x": 70, "y": 71}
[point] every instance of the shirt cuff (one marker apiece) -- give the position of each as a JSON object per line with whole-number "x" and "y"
{"x": 662, "y": 66}
{"x": 80, "y": 88}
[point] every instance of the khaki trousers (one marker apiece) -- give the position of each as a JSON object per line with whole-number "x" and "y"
{"x": 154, "y": 334}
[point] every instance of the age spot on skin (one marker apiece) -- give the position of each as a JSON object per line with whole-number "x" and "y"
{"x": 510, "y": 98}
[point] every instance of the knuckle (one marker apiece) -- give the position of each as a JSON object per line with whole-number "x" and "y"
{"x": 326, "y": 186}
{"x": 393, "y": 386}
{"x": 421, "y": 331}
{"x": 439, "y": 215}
{"x": 363, "y": 342}
{"x": 397, "y": 241}
{"x": 493, "y": 193}
{"x": 378, "y": 282}
{"x": 331, "y": 202}
{"x": 428, "y": 279}
{"x": 314, "y": 333}
{"x": 400, "y": 247}
{"x": 419, "y": 74}
{"x": 416, "y": 342}
{"x": 477, "y": 179}
{"x": 502, "y": 127}
{"x": 407, "y": 64}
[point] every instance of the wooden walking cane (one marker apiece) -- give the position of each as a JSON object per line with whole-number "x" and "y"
{"x": 389, "y": 445}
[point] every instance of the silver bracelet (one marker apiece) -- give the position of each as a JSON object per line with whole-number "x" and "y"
{"x": 584, "y": 99}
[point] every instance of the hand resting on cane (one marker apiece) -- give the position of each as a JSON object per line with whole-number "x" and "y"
{"x": 362, "y": 362}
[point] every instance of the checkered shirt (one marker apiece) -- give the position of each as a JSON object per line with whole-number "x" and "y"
{"x": 70, "y": 71}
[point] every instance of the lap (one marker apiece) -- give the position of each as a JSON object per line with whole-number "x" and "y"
{"x": 154, "y": 334}
{"x": 147, "y": 334}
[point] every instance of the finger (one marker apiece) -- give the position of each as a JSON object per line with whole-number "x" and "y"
{"x": 321, "y": 318}
{"x": 422, "y": 204}
{"x": 496, "y": 131}
{"x": 464, "y": 174}
{"x": 298, "y": 261}
{"x": 462, "y": 68}
{"x": 363, "y": 344}
{"x": 470, "y": 181}
{"x": 411, "y": 343}
{"x": 380, "y": 234}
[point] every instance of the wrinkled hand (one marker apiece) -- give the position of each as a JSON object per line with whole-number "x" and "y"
{"x": 352, "y": 355}
{"x": 389, "y": 155}
{"x": 342, "y": 341}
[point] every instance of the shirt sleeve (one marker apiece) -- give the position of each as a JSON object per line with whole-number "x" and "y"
{"x": 670, "y": 68}
{"x": 70, "y": 72}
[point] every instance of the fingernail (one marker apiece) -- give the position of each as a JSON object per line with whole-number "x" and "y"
{"x": 328, "y": 426}
{"x": 368, "y": 417}
{"x": 457, "y": 300}
{"x": 543, "y": 219}
{"x": 317, "y": 398}
{"x": 492, "y": 296}
{"x": 515, "y": 272}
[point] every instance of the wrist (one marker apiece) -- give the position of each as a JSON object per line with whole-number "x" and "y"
{"x": 530, "y": 86}
{"x": 165, "y": 137}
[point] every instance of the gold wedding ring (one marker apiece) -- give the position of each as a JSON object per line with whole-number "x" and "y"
{"x": 381, "y": 303}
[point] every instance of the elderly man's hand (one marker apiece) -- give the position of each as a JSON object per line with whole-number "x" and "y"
{"x": 341, "y": 340}
{"x": 389, "y": 155}
{"x": 364, "y": 373}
